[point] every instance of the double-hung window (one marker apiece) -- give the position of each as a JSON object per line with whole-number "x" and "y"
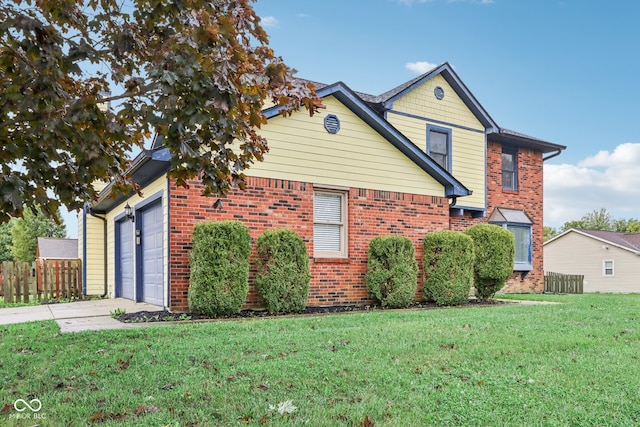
{"x": 439, "y": 145}
{"x": 607, "y": 268}
{"x": 509, "y": 169}
{"x": 519, "y": 224}
{"x": 329, "y": 224}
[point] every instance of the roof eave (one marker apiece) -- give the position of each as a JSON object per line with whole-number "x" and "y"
{"x": 523, "y": 141}
{"x": 339, "y": 90}
{"x": 600, "y": 239}
{"x": 147, "y": 166}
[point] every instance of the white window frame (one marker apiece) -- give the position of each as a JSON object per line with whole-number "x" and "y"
{"x": 342, "y": 252}
{"x": 604, "y": 268}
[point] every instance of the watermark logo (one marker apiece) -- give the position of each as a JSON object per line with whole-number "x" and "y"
{"x": 21, "y": 405}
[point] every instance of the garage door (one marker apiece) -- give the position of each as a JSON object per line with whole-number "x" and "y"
{"x": 151, "y": 255}
{"x": 125, "y": 276}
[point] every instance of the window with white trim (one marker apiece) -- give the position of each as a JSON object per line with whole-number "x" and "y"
{"x": 607, "y": 268}
{"x": 329, "y": 224}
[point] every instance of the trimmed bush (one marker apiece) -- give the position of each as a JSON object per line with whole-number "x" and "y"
{"x": 494, "y": 251}
{"x": 448, "y": 267}
{"x": 283, "y": 274}
{"x": 219, "y": 281}
{"x": 392, "y": 276}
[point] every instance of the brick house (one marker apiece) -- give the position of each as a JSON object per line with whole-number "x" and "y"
{"x": 422, "y": 157}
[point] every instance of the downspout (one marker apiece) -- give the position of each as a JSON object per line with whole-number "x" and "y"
{"x": 84, "y": 249}
{"x": 452, "y": 203}
{"x": 551, "y": 156}
{"x": 104, "y": 250}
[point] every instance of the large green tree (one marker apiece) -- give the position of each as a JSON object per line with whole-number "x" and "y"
{"x": 630, "y": 225}
{"x": 195, "y": 72}
{"x": 26, "y": 230}
{"x": 597, "y": 220}
{"x": 6, "y": 241}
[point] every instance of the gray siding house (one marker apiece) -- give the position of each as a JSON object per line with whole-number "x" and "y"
{"x": 609, "y": 261}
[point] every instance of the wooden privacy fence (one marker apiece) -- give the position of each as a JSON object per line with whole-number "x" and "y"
{"x": 42, "y": 280}
{"x": 563, "y": 283}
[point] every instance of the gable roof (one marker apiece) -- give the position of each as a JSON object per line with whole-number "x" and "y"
{"x": 50, "y": 248}
{"x": 381, "y": 103}
{"x": 351, "y": 100}
{"x": 627, "y": 241}
{"x": 451, "y": 77}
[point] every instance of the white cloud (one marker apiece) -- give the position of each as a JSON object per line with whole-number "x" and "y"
{"x": 420, "y": 67}
{"x": 269, "y": 22}
{"x": 608, "y": 180}
{"x": 411, "y": 2}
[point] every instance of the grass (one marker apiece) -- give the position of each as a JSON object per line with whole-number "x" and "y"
{"x": 32, "y": 301}
{"x": 35, "y": 301}
{"x": 570, "y": 364}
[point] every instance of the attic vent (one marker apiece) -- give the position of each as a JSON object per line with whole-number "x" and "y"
{"x": 332, "y": 123}
{"x": 438, "y": 92}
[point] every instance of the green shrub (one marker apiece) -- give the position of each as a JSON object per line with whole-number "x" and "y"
{"x": 494, "y": 251}
{"x": 219, "y": 260}
{"x": 392, "y": 276}
{"x": 282, "y": 276}
{"x": 448, "y": 267}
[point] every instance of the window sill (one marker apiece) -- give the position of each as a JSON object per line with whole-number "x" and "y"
{"x": 327, "y": 260}
{"x": 506, "y": 191}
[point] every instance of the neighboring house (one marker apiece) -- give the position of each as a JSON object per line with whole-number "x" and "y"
{"x": 609, "y": 261}
{"x": 52, "y": 248}
{"x": 422, "y": 157}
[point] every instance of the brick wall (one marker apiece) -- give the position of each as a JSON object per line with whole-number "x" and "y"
{"x": 269, "y": 203}
{"x": 529, "y": 198}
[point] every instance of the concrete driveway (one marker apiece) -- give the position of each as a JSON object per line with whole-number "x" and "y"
{"x": 78, "y": 316}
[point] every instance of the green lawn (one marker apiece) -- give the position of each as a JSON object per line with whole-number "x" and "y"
{"x": 571, "y": 364}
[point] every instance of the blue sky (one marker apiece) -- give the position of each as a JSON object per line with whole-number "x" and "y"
{"x": 564, "y": 71}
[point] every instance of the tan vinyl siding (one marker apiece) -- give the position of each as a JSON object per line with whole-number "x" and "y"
{"x": 159, "y": 185}
{"x": 300, "y": 149}
{"x": 422, "y": 102}
{"x": 575, "y": 253}
{"x": 94, "y": 262}
{"x": 468, "y": 152}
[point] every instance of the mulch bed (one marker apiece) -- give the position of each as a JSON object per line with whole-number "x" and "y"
{"x": 167, "y": 316}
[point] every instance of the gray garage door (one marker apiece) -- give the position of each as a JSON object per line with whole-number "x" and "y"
{"x": 124, "y": 282}
{"x": 151, "y": 254}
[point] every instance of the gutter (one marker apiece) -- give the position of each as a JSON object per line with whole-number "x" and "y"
{"x": 551, "y": 156}
{"x": 104, "y": 251}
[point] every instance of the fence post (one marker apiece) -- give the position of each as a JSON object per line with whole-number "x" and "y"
{"x": 7, "y": 273}
{"x": 26, "y": 275}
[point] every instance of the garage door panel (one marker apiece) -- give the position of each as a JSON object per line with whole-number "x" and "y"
{"x": 125, "y": 278}
{"x": 152, "y": 253}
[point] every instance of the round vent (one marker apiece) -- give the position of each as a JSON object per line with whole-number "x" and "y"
{"x": 438, "y": 92}
{"x": 332, "y": 123}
